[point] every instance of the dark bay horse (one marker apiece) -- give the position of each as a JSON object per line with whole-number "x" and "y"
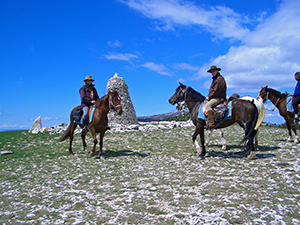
{"x": 280, "y": 101}
{"x": 244, "y": 113}
{"x": 99, "y": 122}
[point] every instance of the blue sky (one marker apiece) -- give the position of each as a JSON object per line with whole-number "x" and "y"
{"x": 47, "y": 48}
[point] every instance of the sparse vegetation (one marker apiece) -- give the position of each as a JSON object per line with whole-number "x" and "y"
{"x": 152, "y": 177}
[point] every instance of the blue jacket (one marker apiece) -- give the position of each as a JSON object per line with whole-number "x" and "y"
{"x": 297, "y": 89}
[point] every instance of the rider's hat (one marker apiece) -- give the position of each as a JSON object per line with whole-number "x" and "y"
{"x": 213, "y": 68}
{"x": 88, "y": 78}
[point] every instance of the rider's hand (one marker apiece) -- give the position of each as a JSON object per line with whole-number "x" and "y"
{"x": 93, "y": 102}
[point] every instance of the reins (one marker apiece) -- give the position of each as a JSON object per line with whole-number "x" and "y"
{"x": 110, "y": 106}
{"x": 278, "y": 101}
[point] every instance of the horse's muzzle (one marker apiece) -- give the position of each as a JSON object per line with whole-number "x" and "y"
{"x": 172, "y": 100}
{"x": 119, "y": 110}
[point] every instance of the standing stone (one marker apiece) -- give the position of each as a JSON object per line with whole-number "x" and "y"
{"x": 36, "y": 126}
{"x": 128, "y": 116}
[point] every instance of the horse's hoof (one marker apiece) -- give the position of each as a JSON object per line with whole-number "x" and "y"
{"x": 251, "y": 156}
{"x": 71, "y": 153}
{"x": 193, "y": 138}
{"x": 201, "y": 158}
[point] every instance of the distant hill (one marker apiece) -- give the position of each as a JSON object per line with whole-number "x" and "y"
{"x": 166, "y": 116}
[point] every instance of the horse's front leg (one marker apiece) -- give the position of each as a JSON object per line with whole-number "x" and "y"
{"x": 289, "y": 121}
{"x": 200, "y": 150}
{"x": 84, "y": 143}
{"x": 95, "y": 143}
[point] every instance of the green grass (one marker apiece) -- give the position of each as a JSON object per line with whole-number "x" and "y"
{"x": 152, "y": 177}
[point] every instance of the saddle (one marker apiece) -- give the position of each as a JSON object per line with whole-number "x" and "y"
{"x": 222, "y": 110}
{"x": 78, "y": 114}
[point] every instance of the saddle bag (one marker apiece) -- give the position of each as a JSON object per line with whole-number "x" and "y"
{"x": 220, "y": 111}
{"x": 77, "y": 114}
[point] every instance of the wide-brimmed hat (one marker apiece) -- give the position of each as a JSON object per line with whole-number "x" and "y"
{"x": 213, "y": 68}
{"x": 88, "y": 78}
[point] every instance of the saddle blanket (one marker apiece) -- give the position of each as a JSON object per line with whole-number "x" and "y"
{"x": 201, "y": 114}
{"x": 90, "y": 117}
{"x": 289, "y": 105}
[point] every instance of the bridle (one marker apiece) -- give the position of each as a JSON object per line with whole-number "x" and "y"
{"x": 111, "y": 105}
{"x": 184, "y": 92}
{"x": 277, "y": 101}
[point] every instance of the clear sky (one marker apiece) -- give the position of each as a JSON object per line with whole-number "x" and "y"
{"x": 47, "y": 48}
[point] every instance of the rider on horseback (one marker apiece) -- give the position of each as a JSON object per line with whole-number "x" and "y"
{"x": 88, "y": 95}
{"x": 296, "y": 100}
{"x": 217, "y": 94}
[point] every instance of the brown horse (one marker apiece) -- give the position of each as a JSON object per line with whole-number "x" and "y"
{"x": 279, "y": 100}
{"x": 244, "y": 113}
{"x": 99, "y": 121}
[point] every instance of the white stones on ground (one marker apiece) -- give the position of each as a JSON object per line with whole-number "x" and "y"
{"x": 141, "y": 126}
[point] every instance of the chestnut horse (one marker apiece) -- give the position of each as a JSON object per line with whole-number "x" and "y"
{"x": 243, "y": 112}
{"x": 279, "y": 100}
{"x": 99, "y": 121}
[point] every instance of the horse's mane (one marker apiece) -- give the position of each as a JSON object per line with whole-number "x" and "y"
{"x": 195, "y": 95}
{"x": 278, "y": 94}
{"x": 100, "y": 100}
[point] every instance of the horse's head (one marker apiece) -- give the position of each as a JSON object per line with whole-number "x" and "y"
{"x": 115, "y": 102}
{"x": 179, "y": 94}
{"x": 264, "y": 93}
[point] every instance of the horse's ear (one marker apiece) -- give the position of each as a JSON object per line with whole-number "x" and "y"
{"x": 180, "y": 83}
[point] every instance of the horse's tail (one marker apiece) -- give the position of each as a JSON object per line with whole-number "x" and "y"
{"x": 252, "y": 130}
{"x": 65, "y": 135}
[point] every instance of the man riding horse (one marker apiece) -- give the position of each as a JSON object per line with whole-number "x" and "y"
{"x": 217, "y": 94}
{"x": 296, "y": 99}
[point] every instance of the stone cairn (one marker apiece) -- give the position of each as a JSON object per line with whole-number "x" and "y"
{"x": 128, "y": 116}
{"x": 36, "y": 126}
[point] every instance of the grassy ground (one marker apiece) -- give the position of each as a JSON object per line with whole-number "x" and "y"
{"x": 149, "y": 178}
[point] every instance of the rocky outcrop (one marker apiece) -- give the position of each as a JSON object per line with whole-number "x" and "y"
{"x": 128, "y": 116}
{"x": 36, "y": 126}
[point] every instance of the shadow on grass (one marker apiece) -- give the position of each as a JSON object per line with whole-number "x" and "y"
{"x": 238, "y": 151}
{"x": 111, "y": 153}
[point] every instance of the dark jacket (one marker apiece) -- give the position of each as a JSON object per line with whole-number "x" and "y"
{"x": 85, "y": 95}
{"x": 217, "y": 88}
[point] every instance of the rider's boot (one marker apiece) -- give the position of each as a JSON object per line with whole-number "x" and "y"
{"x": 211, "y": 120}
{"x": 84, "y": 129}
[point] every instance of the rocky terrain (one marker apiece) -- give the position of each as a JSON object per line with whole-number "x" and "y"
{"x": 149, "y": 176}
